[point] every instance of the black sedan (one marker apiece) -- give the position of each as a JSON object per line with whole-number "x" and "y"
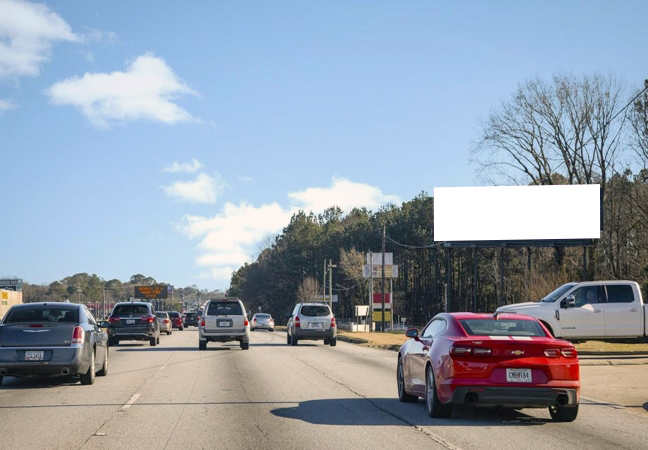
{"x": 52, "y": 339}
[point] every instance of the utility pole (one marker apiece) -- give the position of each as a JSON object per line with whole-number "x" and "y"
{"x": 383, "y": 280}
{"x": 370, "y": 292}
{"x": 323, "y": 284}
{"x": 331, "y": 267}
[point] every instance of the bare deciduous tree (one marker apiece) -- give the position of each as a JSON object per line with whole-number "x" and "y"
{"x": 308, "y": 288}
{"x": 563, "y": 127}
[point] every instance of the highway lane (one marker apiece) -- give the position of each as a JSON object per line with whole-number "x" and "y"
{"x": 274, "y": 396}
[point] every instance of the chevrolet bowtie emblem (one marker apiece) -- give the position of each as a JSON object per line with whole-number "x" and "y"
{"x": 517, "y": 352}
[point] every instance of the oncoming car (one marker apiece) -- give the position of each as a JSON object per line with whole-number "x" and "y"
{"x": 489, "y": 360}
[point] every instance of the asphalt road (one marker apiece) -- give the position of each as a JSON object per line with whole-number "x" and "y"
{"x": 277, "y": 396}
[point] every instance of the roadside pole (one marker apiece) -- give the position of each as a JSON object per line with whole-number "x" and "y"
{"x": 383, "y": 281}
{"x": 370, "y": 292}
{"x": 324, "y": 283}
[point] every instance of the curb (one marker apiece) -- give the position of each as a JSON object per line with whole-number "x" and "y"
{"x": 351, "y": 340}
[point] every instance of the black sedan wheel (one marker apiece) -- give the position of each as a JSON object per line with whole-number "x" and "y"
{"x": 400, "y": 379}
{"x": 435, "y": 408}
{"x": 89, "y": 377}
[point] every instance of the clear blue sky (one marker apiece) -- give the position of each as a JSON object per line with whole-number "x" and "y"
{"x": 266, "y": 107}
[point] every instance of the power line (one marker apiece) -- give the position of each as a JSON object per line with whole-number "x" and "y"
{"x": 440, "y": 244}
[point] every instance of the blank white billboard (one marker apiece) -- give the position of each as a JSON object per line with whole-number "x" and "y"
{"x": 507, "y": 213}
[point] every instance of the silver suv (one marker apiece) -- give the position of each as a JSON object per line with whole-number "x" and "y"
{"x": 313, "y": 322}
{"x": 224, "y": 320}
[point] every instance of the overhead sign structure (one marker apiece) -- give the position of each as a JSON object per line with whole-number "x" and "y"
{"x": 391, "y": 271}
{"x": 11, "y": 284}
{"x": 324, "y": 298}
{"x": 156, "y": 291}
{"x": 377, "y": 259}
{"x": 510, "y": 213}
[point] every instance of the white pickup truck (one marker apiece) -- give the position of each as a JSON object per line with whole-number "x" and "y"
{"x": 598, "y": 310}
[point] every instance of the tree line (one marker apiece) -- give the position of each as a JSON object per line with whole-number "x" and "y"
{"x": 568, "y": 130}
{"x": 92, "y": 289}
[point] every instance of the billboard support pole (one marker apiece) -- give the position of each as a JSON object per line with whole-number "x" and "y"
{"x": 448, "y": 302}
{"x": 501, "y": 264}
{"x": 475, "y": 279}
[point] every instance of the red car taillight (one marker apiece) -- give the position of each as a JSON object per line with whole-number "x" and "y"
{"x": 332, "y": 322}
{"x": 246, "y": 323}
{"x": 481, "y": 351}
{"x": 297, "y": 324}
{"x": 148, "y": 319}
{"x": 461, "y": 350}
{"x": 202, "y": 323}
{"x": 77, "y": 335}
{"x": 112, "y": 319}
{"x": 458, "y": 350}
{"x": 254, "y": 320}
{"x": 166, "y": 320}
{"x": 552, "y": 353}
{"x": 569, "y": 352}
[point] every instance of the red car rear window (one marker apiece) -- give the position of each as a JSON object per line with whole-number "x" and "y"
{"x": 502, "y": 327}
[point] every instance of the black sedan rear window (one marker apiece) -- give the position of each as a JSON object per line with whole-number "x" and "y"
{"x": 42, "y": 314}
{"x": 502, "y": 327}
{"x": 174, "y": 314}
{"x": 224, "y": 308}
{"x": 131, "y": 310}
{"x": 314, "y": 310}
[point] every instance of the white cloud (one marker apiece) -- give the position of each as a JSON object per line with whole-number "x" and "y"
{"x": 246, "y": 180}
{"x": 231, "y": 238}
{"x": 193, "y": 166}
{"x": 6, "y": 105}
{"x": 146, "y": 90}
{"x": 90, "y": 35}
{"x": 27, "y": 32}
{"x": 204, "y": 189}
{"x": 343, "y": 193}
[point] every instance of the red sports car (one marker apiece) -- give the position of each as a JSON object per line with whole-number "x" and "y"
{"x": 487, "y": 360}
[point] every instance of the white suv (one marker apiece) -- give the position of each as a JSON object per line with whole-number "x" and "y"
{"x": 313, "y": 322}
{"x": 224, "y": 320}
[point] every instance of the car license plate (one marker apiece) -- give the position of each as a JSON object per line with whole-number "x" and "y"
{"x": 518, "y": 375}
{"x": 130, "y": 322}
{"x": 315, "y": 325}
{"x": 34, "y": 356}
{"x": 224, "y": 323}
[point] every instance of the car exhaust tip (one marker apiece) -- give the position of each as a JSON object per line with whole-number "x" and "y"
{"x": 65, "y": 371}
{"x": 562, "y": 400}
{"x": 472, "y": 398}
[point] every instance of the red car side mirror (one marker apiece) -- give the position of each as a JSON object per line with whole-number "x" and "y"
{"x": 412, "y": 333}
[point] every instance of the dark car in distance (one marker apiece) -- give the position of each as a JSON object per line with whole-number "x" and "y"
{"x": 133, "y": 321}
{"x": 52, "y": 339}
{"x": 191, "y": 319}
{"x": 176, "y": 320}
